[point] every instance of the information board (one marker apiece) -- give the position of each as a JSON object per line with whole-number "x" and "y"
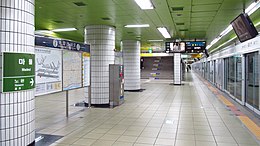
{"x": 61, "y": 44}
{"x": 86, "y": 69}
{"x": 18, "y": 71}
{"x": 48, "y": 70}
{"x": 195, "y": 47}
{"x": 72, "y": 70}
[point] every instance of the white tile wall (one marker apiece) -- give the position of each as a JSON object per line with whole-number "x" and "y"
{"x": 132, "y": 72}
{"x": 17, "y": 109}
{"x": 102, "y": 41}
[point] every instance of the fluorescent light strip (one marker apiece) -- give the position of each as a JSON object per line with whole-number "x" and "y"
{"x": 257, "y": 24}
{"x": 225, "y": 43}
{"x": 63, "y": 29}
{"x": 144, "y": 4}
{"x": 250, "y": 10}
{"x": 137, "y": 25}
{"x": 226, "y": 31}
{"x": 155, "y": 40}
{"x": 43, "y": 32}
{"x": 164, "y": 32}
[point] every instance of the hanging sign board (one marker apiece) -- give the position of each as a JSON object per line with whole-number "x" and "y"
{"x": 61, "y": 44}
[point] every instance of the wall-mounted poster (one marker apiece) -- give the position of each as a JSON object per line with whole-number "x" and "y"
{"x": 86, "y": 68}
{"x": 72, "y": 70}
{"x": 48, "y": 70}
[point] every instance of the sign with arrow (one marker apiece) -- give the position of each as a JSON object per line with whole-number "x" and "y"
{"x": 18, "y": 72}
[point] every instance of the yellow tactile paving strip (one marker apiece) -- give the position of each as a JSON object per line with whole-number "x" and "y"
{"x": 254, "y": 128}
{"x": 225, "y": 101}
{"x": 212, "y": 89}
{"x": 251, "y": 125}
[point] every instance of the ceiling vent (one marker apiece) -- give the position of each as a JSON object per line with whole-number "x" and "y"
{"x": 177, "y": 8}
{"x": 183, "y": 29}
{"x": 58, "y": 21}
{"x": 79, "y": 4}
{"x": 179, "y": 23}
{"x": 105, "y": 18}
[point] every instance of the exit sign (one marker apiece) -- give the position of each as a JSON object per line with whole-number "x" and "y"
{"x": 150, "y": 50}
{"x": 18, "y": 71}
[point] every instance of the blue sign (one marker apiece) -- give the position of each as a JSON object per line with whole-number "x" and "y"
{"x": 195, "y": 47}
{"x": 61, "y": 44}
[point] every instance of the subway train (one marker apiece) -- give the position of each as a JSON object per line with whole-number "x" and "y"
{"x": 234, "y": 70}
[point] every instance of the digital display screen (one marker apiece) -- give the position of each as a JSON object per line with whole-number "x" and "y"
{"x": 244, "y": 28}
{"x": 175, "y": 47}
{"x": 195, "y": 47}
{"x": 185, "y": 46}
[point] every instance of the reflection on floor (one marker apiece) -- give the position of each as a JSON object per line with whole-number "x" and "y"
{"x": 46, "y": 139}
{"x": 50, "y": 109}
{"x": 163, "y": 114}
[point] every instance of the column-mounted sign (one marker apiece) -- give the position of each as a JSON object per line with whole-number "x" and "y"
{"x": 18, "y": 72}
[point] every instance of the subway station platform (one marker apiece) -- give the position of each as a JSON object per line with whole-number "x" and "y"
{"x": 161, "y": 115}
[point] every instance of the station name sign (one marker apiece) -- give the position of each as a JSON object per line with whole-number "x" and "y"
{"x": 61, "y": 44}
{"x": 18, "y": 71}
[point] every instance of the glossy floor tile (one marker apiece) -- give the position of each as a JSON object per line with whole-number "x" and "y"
{"x": 161, "y": 115}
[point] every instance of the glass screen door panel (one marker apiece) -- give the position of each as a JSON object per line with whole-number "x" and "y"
{"x": 256, "y": 80}
{"x": 238, "y": 91}
{"x": 252, "y": 80}
{"x": 215, "y": 70}
{"x": 231, "y": 76}
{"x": 226, "y": 73}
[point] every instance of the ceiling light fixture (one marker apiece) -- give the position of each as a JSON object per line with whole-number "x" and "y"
{"x": 137, "y": 25}
{"x": 43, "y": 32}
{"x": 225, "y": 43}
{"x": 164, "y": 32}
{"x": 252, "y": 8}
{"x": 257, "y": 24}
{"x": 226, "y": 31}
{"x": 63, "y": 29}
{"x": 155, "y": 40}
{"x": 144, "y": 4}
{"x": 249, "y": 10}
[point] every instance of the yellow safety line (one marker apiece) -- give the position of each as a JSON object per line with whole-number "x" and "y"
{"x": 213, "y": 90}
{"x": 255, "y": 129}
{"x": 225, "y": 101}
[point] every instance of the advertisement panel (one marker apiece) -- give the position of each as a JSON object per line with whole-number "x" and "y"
{"x": 72, "y": 70}
{"x": 48, "y": 70}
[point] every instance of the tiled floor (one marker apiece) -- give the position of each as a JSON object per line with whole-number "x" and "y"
{"x": 161, "y": 115}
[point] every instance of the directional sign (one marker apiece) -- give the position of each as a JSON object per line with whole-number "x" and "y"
{"x": 18, "y": 72}
{"x": 18, "y": 84}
